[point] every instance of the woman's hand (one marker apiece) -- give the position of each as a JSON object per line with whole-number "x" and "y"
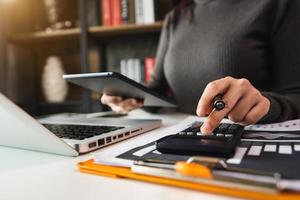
{"x": 244, "y": 103}
{"x": 120, "y": 105}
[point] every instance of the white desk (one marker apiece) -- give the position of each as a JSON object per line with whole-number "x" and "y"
{"x": 40, "y": 176}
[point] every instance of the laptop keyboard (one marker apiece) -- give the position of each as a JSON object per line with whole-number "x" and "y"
{"x": 79, "y": 132}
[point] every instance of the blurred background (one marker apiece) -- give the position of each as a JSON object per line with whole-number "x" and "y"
{"x": 42, "y": 39}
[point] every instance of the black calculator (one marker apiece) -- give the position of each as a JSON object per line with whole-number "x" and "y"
{"x": 220, "y": 143}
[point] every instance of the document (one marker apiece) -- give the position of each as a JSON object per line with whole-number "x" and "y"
{"x": 261, "y": 150}
{"x": 110, "y": 154}
{"x": 292, "y": 125}
{"x": 144, "y": 144}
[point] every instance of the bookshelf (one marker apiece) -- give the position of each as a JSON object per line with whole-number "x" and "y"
{"x": 100, "y": 32}
{"x": 82, "y": 38}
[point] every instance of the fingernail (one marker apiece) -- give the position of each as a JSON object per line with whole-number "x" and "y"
{"x": 206, "y": 128}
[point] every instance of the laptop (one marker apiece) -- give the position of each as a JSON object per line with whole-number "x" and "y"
{"x": 63, "y": 136}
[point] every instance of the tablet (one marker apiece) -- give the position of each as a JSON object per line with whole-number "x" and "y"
{"x": 115, "y": 84}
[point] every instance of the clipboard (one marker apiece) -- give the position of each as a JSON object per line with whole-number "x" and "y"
{"x": 124, "y": 172}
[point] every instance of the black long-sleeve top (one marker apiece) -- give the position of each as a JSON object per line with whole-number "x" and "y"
{"x": 254, "y": 39}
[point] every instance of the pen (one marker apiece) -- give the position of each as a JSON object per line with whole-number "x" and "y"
{"x": 201, "y": 173}
{"x": 201, "y": 166}
{"x": 219, "y": 104}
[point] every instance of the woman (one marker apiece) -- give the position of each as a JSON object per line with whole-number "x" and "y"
{"x": 205, "y": 43}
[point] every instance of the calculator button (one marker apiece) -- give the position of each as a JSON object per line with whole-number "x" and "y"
{"x": 245, "y": 144}
{"x": 182, "y": 133}
{"x": 223, "y": 126}
{"x": 228, "y": 135}
{"x": 220, "y": 135}
{"x": 196, "y": 129}
{"x": 218, "y": 131}
{"x": 234, "y": 127}
{"x": 200, "y": 134}
{"x": 230, "y": 131}
{"x": 190, "y": 133}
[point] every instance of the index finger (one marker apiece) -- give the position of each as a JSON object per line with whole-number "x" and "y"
{"x": 214, "y": 118}
{"x": 231, "y": 98}
{"x": 210, "y": 92}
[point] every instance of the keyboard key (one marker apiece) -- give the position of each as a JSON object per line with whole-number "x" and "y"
{"x": 285, "y": 149}
{"x": 255, "y": 151}
{"x": 78, "y": 132}
{"x": 270, "y": 148}
{"x": 220, "y": 135}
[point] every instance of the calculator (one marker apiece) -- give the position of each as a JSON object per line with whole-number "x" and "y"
{"x": 220, "y": 143}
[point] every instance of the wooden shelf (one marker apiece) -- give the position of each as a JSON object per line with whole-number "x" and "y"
{"x": 100, "y": 32}
{"x": 129, "y": 29}
{"x": 43, "y": 36}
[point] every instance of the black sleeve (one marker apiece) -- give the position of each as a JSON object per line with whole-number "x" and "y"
{"x": 285, "y": 56}
{"x": 158, "y": 80}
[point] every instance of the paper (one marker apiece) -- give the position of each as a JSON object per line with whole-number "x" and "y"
{"x": 291, "y": 185}
{"x": 238, "y": 156}
{"x": 109, "y": 155}
{"x": 292, "y": 125}
{"x": 270, "y": 148}
{"x": 144, "y": 151}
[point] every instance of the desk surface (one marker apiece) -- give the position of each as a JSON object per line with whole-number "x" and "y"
{"x": 32, "y": 175}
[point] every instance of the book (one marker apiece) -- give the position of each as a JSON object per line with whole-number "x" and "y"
{"x": 148, "y": 12}
{"x": 93, "y": 16}
{"x": 149, "y": 67}
{"x": 139, "y": 12}
{"x": 116, "y": 12}
{"x": 131, "y": 6}
{"x": 106, "y": 12}
{"x": 123, "y": 67}
{"x": 129, "y": 68}
{"x": 125, "y": 11}
{"x": 139, "y": 70}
